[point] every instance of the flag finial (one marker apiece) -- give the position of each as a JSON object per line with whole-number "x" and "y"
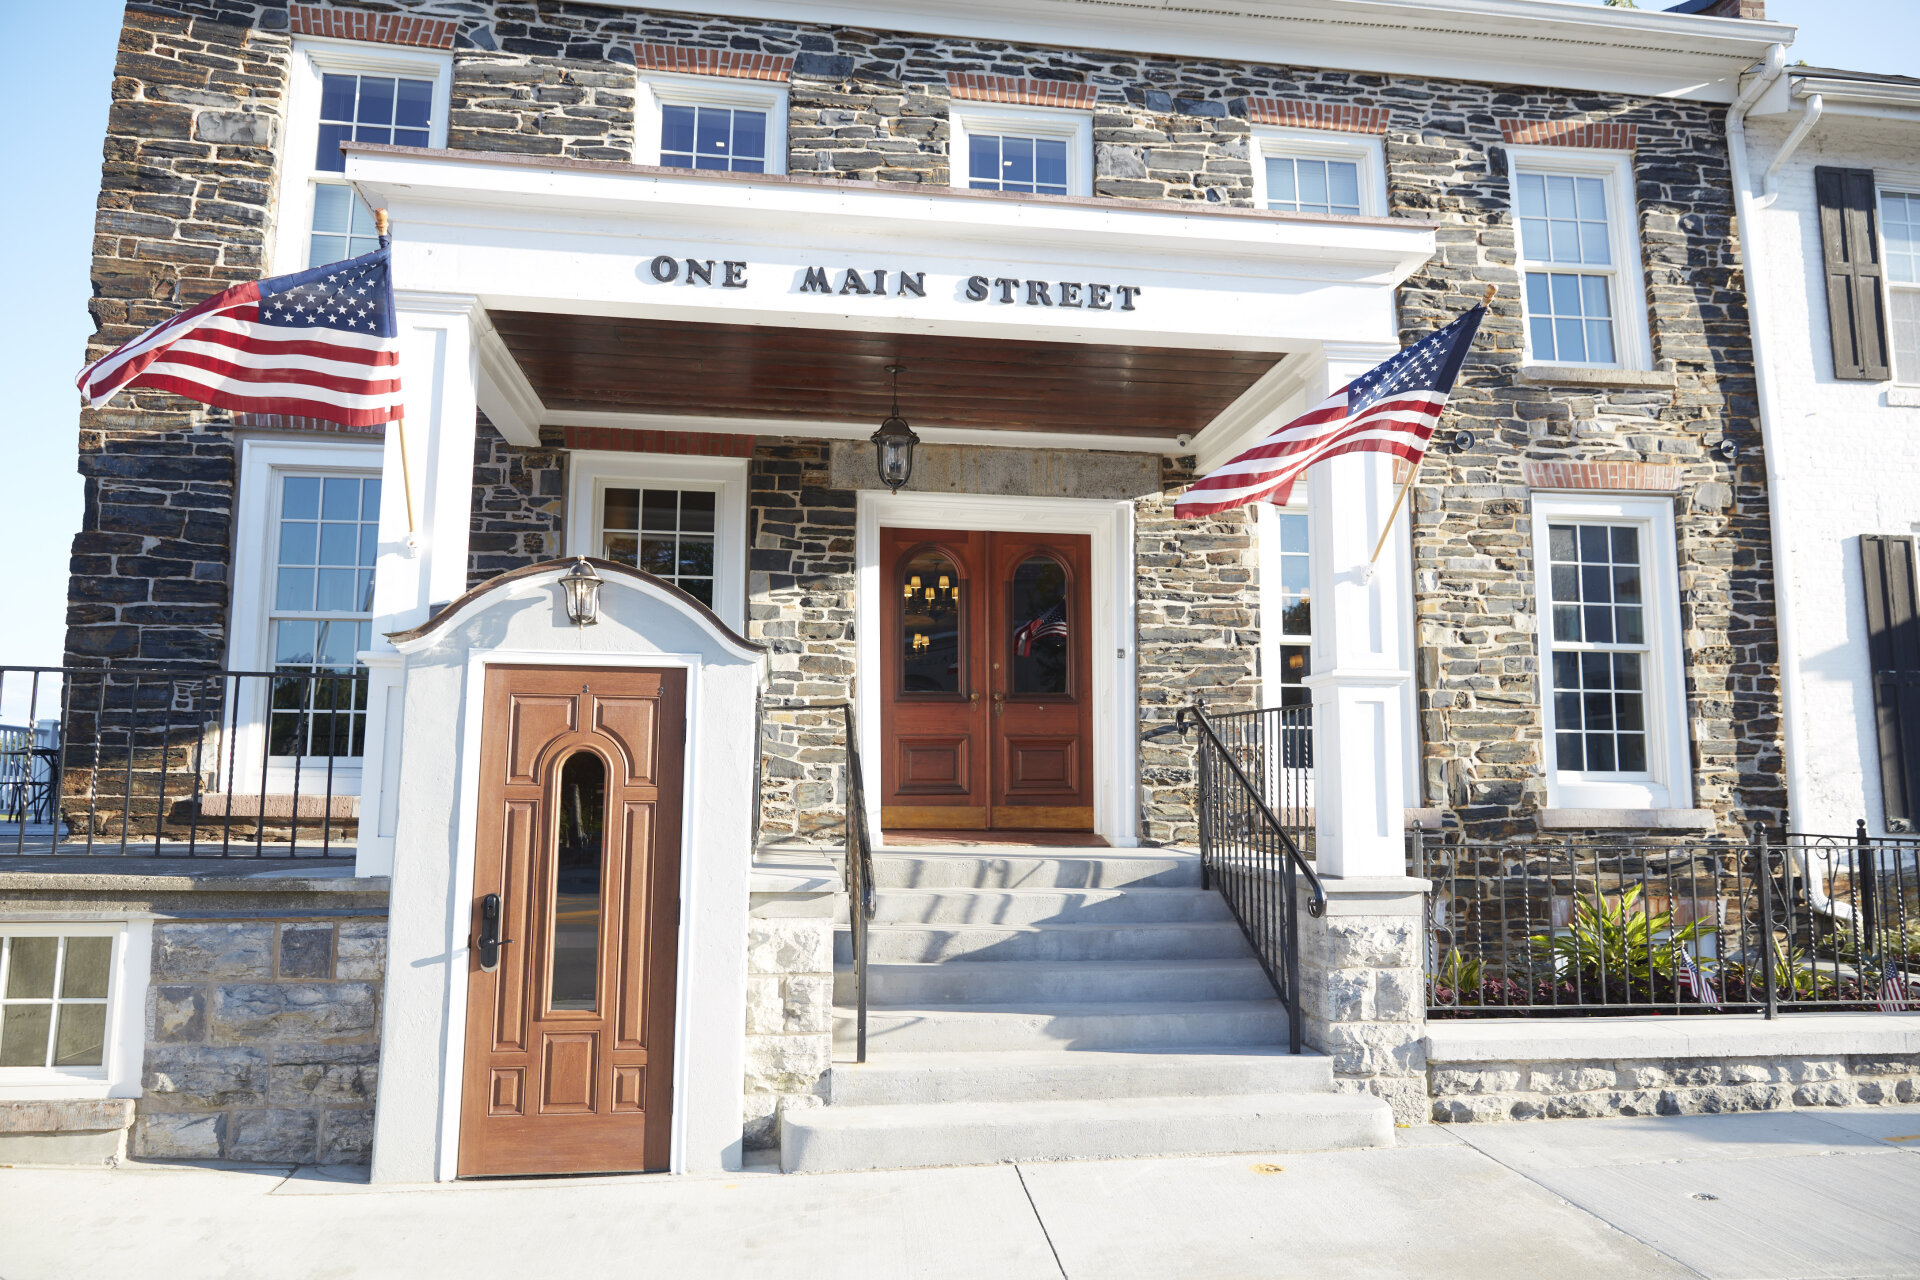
{"x": 1487, "y": 301}
{"x": 380, "y": 226}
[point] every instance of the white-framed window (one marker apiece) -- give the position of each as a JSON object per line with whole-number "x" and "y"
{"x": 1583, "y": 286}
{"x": 343, "y": 91}
{"x": 1035, "y": 150}
{"x": 1900, "y": 233}
{"x": 1286, "y": 595}
{"x": 1316, "y": 171}
{"x": 682, "y": 519}
{"x": 304, "y": 565}
{"x": 72, "y": 996}
{"x": 712, "y": 122}
{"x": 1613, "y": 701}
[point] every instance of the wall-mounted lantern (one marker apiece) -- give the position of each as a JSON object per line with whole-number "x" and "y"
{"x": 893, "y": 442}
{"x": 583, "y": 593}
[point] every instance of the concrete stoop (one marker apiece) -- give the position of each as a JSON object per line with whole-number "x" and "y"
{"x": 1040, "y": 1004}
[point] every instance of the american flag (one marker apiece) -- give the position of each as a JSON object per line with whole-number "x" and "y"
{"x": 1051, "y": 623}
{"x": 1893, "y": 990}
{"x": 1392, "y": 408}
{"x": 316, "y": 344}
{"x": 1692, "y": 980}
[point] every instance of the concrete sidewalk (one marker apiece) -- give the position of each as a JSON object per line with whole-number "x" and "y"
{"x": 1790, "y": 1194}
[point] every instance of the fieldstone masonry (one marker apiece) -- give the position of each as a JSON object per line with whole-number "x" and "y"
{"x": 1363, "y": 991}
{"x": 789, "y": 1020}
{"x": 263, "y": 1040}
{"x": 1488, "y": 1091}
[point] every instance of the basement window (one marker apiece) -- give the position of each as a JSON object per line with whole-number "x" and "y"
{"x": 72, "y": 996}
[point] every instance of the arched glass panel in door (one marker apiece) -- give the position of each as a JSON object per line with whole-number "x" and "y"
{"x": 932, "y": 624}
{"x": 575, "y": 971}
{"x": 1039, "y": 618}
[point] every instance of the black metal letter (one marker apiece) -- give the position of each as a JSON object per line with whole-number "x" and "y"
{"x": 1127, "y": 292}
{"x": 1006, "y": 287}
{"x": 1069, "y": 293}
{"x": 1097, "y": 297}
{"x": 976, "y": 288}
{"x": 735, "y": 277}
{"x": 816, "y": 282}
{"x": 1038, "y": 295}
{"x": 853, "y": 283}
{"x": 699, "y": 272}
{"x": 915, "y": 282}
{"x": 664, "y": 269}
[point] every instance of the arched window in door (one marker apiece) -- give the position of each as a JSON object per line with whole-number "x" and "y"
{"x": 575, "y": 927}
{"x": 932, "y": 624}
{"x": 1038, "y": 613}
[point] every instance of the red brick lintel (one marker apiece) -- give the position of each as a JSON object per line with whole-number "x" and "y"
{"x": 706, "y": 444}
{"x": 1601, "y": 135}
{"x": 691, "y": 60}
{"x": 1617, "y": 477}
{"x": 979, "y": 86}
{"x": 376, "y": 28}
{"x": 288, "y": 422}
{"x": 1338, "y": 117}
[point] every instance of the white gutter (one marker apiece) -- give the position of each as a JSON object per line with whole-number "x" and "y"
{"x": 1808, "y": 118}
{"x": 1772, "y": 68}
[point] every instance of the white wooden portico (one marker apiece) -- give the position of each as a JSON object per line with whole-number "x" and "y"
{"x": 477, "y": 235}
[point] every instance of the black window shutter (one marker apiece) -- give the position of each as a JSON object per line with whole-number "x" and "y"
{"x": 1893, "y": 651}
{"x": 1850, "y": 240}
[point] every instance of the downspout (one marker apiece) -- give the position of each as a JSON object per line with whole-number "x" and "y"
{"x": 1770, "y": 71}
{"x": 1808, "y": 118}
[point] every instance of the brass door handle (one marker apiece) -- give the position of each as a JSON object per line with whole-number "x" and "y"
{"x": 999, "y": 704}
{"x": 974, "y": 697}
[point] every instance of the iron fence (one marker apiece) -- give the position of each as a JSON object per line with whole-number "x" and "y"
{"x": 1274, "y": 748}
{"x": 158, "y": 763}
{"x": 1798, "y": 922}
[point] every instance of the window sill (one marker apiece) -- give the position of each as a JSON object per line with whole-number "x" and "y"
{"x": 1626, "y": 819}
{"x": 1559, "y": 375}
{"x": 1903, "y": 397}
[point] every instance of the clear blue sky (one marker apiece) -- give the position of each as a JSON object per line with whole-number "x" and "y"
{"x": 58, "y": 54}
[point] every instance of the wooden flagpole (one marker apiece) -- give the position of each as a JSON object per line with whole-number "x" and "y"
{"x": 1412, "y": 475}
{"x": 400, "y": 424}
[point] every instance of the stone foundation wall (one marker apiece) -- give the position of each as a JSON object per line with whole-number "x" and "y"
{"x": 263, "y": 1040}
{"x": 1491, "y": 1091}
{"x": 789, "y": 1021}
{"x": 1363, "y": 993}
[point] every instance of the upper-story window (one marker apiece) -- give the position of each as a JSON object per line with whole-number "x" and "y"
{"x": 713, "y": 122}
{"x": 1900, "y": 227}
{"x": 1316, "y": 171}
{"x": 327, "y": 537}
{"x": 1579, "y": 258}
{"x": 1035, "y": 150}
{"x": 345, "y": 92}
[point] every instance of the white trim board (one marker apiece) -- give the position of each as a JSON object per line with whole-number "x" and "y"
{"x": 1109, "y": 525}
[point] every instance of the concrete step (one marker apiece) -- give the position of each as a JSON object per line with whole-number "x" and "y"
{"x": 925, "y": 944}
{"x": 1067, "y": 981}
{"x": 1133, "y": 904}
{"x": 1034, "y": 868}
{"x": 918, "y": 1136}
{"x": 913, "y": 1079}
{"x": 1128, "y": 1024}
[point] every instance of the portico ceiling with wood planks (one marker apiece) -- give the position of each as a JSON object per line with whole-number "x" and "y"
{"x": 609, "y": 364}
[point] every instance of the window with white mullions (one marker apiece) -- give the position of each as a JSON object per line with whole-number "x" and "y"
{"x": 321, "y": 617}
{"x": 397, "y": 110}
{"x": 666, "y": 532}
{"x": 1900, "y": 229}
{"x": 1296, "y": 610}
{"x": 1600, "y": 648}
{"x": 1566, "y": 252}
{"x": 1004, "y": 162}
{"x": 706, "y": 137}
{"x": 1302, "y": 184}
{"x": 53, "y": 1001}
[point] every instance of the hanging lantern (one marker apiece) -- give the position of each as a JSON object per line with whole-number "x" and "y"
{"x": 893, "y": 442}
{"x": 583, "y": 593}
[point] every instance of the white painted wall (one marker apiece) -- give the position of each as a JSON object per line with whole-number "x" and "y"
{"x": 1846, "y": 462}
{"x": 424, "y": 1024}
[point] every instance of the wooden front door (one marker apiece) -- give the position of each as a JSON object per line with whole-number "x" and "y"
{"x": 987, "y": 709}
{"x": 569, "y": 1057}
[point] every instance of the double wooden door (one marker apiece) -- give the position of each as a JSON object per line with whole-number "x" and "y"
{"x": 570, "y": 1017}
{"x": 987, "y": 707}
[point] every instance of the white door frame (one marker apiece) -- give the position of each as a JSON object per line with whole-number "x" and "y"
{"x": 1109, "y": 526}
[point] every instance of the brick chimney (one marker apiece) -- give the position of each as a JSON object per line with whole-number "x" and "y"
{"x": 1755, "y": 9}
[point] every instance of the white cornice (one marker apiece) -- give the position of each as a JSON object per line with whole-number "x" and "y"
{"x": 1533, "y": 42}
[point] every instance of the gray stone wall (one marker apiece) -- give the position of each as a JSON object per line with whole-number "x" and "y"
{"x": 263, "y": 1040}
{"x": 519, "y": 503}
{"x": 1478, "y": 1092}
{"x": 789, "y": 1020}
{"x": 1363, "y": 995}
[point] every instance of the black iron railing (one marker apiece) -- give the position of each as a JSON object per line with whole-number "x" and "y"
{"x": 860, "y": 900}
{"x": 1800, "y": 922}
{"x": 1248, "y": 854}
{"x": 1274, "y": 747}
{"x": 158, "y": 763}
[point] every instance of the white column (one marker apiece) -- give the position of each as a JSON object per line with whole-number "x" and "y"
{"x": 422, "y": 563}
{"x": 1360, "y": 687}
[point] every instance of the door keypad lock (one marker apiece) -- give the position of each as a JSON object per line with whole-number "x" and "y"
{"x": 489, "y": 942}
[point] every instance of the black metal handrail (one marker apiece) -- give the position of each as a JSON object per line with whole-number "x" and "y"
{"x": 148, "y": 761}
{"x": 860, "y": 899}
{"x": 1247, "y": 853}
